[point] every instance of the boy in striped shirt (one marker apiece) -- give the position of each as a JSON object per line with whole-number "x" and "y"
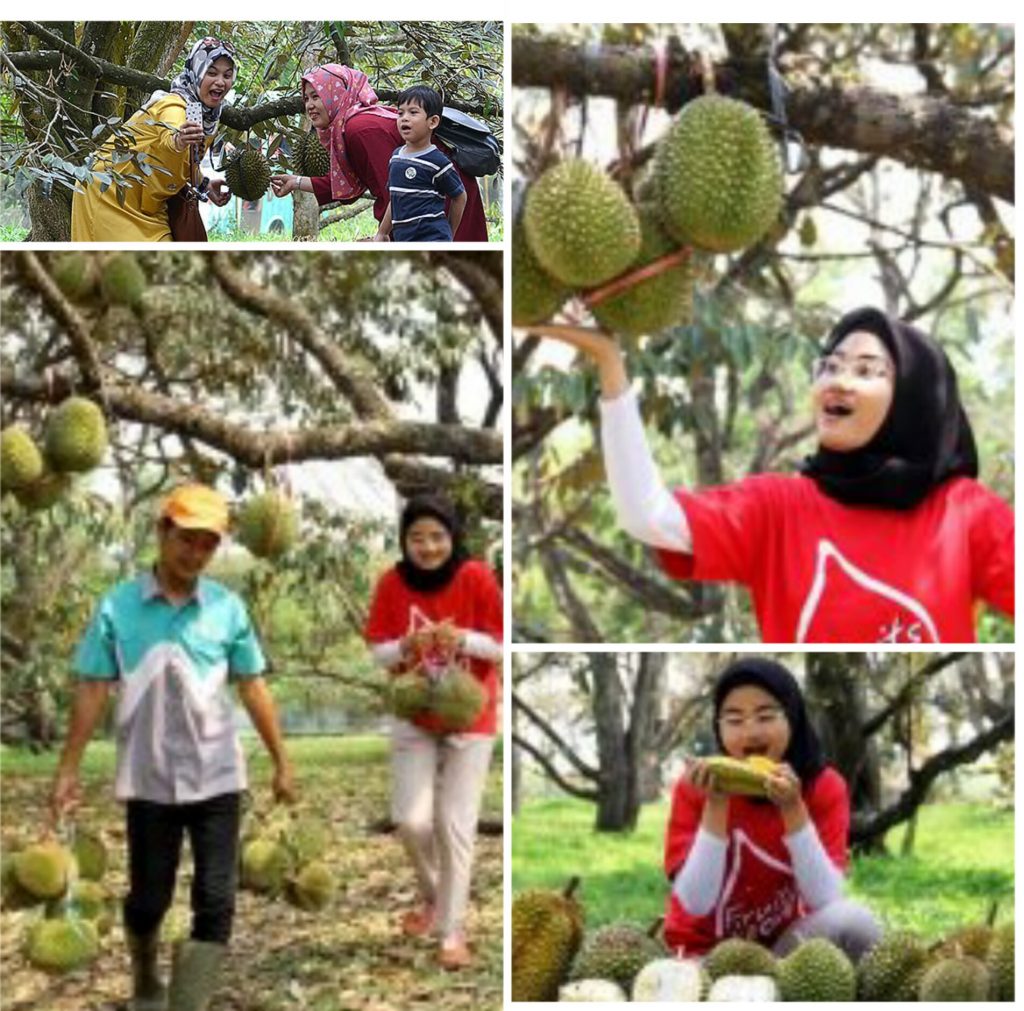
{"x": 420, "y": 177}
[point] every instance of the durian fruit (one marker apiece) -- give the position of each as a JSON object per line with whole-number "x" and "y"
{"x": 247, "y": 174}
{"x": 44, "y": 492}
{"x": 617, "y": 951}
{"x": 657, "y": 302}
{"x": 409, "y": 695}
{"x": 719, "y": 176}
{"x": 973, "y": 940}
{"x": 746, "y": 777}
{"x": 21, "y": 463}
{"x": 670, "y": 980}
{"x": 74, "y": 273}
{"x": 91, "y": 854}
{"x": 268, "y": 524}
{"x": 737, "y": 956}
{"x": 43, "y": 869}
{"x": 817, "y": 971}
{"x": 580, "y": 225}
{"x": 308, "y": 837}
{"x": 1000, "y": 962}
{"x": 892, "y": 969}
{"x": 312, "y": 888}
{"x": 536, "y": 295}
{"x": 547, "y": 928}
{"x": 746, "y": 989}
{"x": 123, "y": 281}
{"x": 458, "y": 699}
{"x": 14, "y": 896}
{"x": 266, "y": 864}
{"x": 592, "y": 991}
{"x": 61, "y": 945}
{"x": 85, "y": 899}
{"x": 76, "y": 436}
{"x": 314, "y": 158}
{"x": 960, "y": 979}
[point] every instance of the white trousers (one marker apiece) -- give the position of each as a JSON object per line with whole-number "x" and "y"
{"x": 438, "y": 784}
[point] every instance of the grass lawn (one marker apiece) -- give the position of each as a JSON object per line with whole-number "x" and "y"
{"x": 350, "y": 957}
{"x": 963, "y": 860}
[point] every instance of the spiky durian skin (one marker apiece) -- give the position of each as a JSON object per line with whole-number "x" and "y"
{"x": 817, "y": 971}
{"x": 955, "y": 979}
{"x": 580, "y": 224}
{"x": 247, "y": 174}
{"x": 21, "y": 463}
{"x": 719, "y": 179}
{"x": 76, "y": 436}
{"x": 547, "y": 928}
{"x": 892, "y": 969}
{"x": 536, "y": 295}
{"x": 657, "y": 302}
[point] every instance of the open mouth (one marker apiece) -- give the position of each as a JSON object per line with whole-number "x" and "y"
{"x": 755, "y": 750}
{"x": 838, "y": 410}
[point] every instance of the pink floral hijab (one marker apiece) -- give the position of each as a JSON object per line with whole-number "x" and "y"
{"x": 344, "y": 92}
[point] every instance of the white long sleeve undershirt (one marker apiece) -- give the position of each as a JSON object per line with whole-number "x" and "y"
{"x": 818, "y": 880}
{"x": 476, "y": 644}
{"x": 698, "y": 882}
{"x": 645, "y": 508}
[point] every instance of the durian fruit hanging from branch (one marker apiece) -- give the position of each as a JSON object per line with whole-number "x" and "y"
{"x": 247, "y": 173}
{"x": 76, "y": 436}
{"x": 123, "y": 281}
{"x": 21, "y": 463}
{"x": 714, "y": 185}
{"x": 312, "y": 158}
{"x": 268, "y": 524}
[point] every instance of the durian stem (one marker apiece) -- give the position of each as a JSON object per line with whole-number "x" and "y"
{"x": 574, "y": 883}
{"x": 625, "y": 281}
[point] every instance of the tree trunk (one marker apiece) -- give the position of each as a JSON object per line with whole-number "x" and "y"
{"x": 618, "y": 803}
{"x": 305, "y": 216}
{"x": 516, "y": 771}
{"x": 650, "y": 688}
{"x": 50, "y": 216}
{"x": 835, "y": 691}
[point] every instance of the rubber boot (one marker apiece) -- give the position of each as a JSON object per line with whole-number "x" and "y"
{"x": 148, "y": 993}
{"x": 194, "y": 975}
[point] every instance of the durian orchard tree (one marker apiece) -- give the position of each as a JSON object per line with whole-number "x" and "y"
{"x": 239, "y": 371}
{"x": 612, "y": 728}
{"x": 902, "y": 197}
{"x": 65, "y": 87}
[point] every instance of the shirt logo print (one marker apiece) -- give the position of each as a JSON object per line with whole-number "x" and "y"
{"x": 410, "y": 173}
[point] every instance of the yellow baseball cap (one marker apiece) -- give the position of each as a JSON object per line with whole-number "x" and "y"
{"x": 196, "y": 507}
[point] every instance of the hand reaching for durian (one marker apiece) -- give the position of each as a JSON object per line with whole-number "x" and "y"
{"x": 602, "y": 349}
{"x": 282, "y": 185}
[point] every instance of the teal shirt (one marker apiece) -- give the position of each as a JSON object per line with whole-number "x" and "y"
{"x": 176, "y": 739}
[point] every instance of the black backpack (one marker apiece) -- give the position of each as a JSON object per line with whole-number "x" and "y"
{"x": 474, "y": 148}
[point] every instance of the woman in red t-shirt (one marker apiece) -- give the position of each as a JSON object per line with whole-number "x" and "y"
{"x": 884, "y": 536}
{"x": 361, "y": 136}
{"x": 770, "y": 870}
{"x": 434, "y": 607}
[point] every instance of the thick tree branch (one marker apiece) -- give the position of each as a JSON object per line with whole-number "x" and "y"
{"x": 480, "y": 281}
{"x": 585, "y": 770}
{"x": 875, "y": 722}
{"x": 553, "y": 774}
{"x": 257, "y": 448}
{"x": 865, "y": 829}
{"x": 921, "y": 131}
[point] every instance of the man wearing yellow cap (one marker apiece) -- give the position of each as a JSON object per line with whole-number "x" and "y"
{"x": 171, "y": 640}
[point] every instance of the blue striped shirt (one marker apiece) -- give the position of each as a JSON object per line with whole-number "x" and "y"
{"x": 418, "y": 184}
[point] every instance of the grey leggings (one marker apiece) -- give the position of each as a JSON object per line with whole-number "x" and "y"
{"x": 847, "y": 924}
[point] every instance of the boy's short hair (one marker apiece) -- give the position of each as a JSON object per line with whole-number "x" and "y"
{"x": 426, "y": 98}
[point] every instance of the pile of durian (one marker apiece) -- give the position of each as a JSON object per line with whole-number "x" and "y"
{"x": 63, "y": 887}
{"x": 714, "y": 185}
{"x": 553, "y": 958}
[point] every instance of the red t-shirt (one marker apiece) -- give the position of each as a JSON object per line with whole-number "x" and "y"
{"x": 821, "y": 571}
{"x": 759, "y": 897}
{"x": 472, "y": 600}
{"x": 369, "y": 143}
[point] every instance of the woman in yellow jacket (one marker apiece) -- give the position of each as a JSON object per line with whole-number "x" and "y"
{"x": 162, "y": 134}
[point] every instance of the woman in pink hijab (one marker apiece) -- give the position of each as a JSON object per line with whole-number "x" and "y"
{"x": 361, "y": 135}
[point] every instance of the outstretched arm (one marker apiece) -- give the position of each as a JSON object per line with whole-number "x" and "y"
{"x": 645, "y": 508}
{"x": 86, "y": 712}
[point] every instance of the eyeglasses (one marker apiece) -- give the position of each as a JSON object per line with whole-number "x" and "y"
{"x": 763, "y": 719}
{"x": 862, "y": 369}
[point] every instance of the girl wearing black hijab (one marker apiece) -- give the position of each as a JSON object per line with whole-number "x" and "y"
{"x": 884, "y": 536}
{"x": 433, "y": 607}
{"x": 768, "y": 870}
